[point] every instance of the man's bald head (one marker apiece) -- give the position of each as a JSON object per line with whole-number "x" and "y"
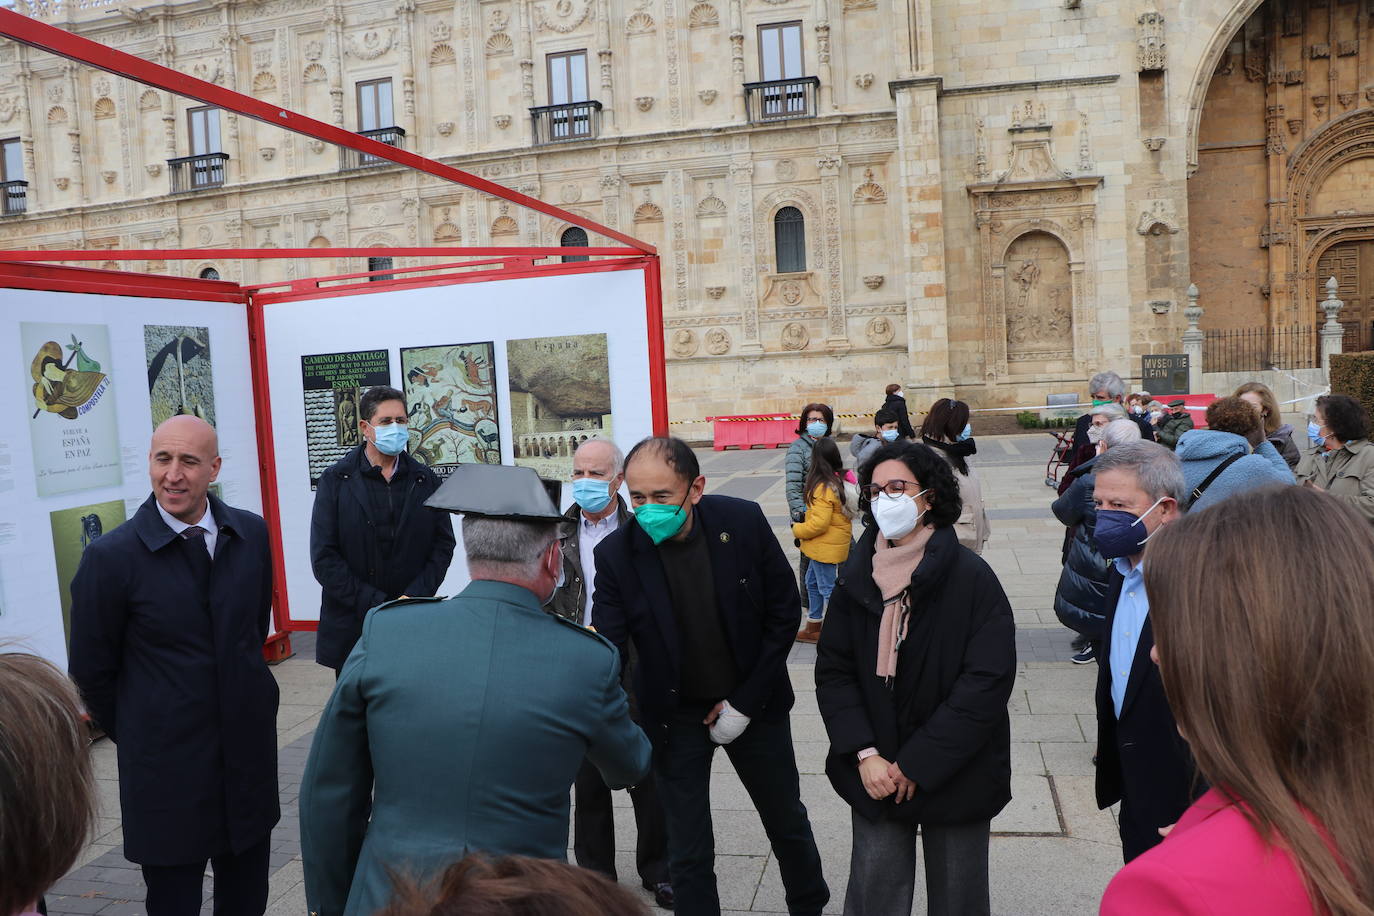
{"x": 602, "y": 452}
{"x": 182, "y": 463}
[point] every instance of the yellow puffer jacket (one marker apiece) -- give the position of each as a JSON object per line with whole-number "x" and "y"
{"x": 826, "y": 532}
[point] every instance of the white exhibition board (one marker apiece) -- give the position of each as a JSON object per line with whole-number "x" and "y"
{"x": 66, "y": 479}
{"x": 501, "y": 310}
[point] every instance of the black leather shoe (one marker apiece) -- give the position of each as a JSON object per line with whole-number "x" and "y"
{"x": 663, "y": 894}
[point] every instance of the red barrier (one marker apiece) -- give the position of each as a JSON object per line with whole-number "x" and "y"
{"x": 767, "y": 430}
{"x": 1197, "y": 406}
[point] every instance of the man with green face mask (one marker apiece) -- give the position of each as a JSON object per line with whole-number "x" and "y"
{"x": 702, "y": 589}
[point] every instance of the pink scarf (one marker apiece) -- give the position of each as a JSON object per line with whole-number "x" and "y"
{"x": 893, "y": 567}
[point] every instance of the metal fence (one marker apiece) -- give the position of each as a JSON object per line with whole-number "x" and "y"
{"x": 1257, "y": 349}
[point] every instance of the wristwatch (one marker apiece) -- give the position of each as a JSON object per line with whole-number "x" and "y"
{"x": 866, "y": 753}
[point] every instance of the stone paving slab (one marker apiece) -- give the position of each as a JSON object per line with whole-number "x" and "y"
{"x": 1052, "y": 851}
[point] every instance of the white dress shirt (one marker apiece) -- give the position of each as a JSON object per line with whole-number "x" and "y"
{"x": 207, "y": 522}
{"x": 589, "y": 534}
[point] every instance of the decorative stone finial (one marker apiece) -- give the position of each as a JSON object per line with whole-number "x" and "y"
{"x": 1331, "y": 305}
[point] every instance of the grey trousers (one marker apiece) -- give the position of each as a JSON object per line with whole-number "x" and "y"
{"x": 882, "y": 869}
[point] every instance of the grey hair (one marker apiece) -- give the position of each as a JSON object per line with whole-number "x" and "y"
{"x": 1109, "y": 382}
{"x": 1112, "y": 412}
{"x": 617, "y": 456}
{"x": 1156, "y": 469}
{"x": 506, "y": 546}
{"x": 1120, "y": 432}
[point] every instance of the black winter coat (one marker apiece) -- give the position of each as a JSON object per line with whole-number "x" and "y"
{"x": 347, "y": 562}
{"x": 1082, "y": 591}
{"x": 172, "y": 668}
{"x": 943, "y": 719}
{"x": 897, "y": 404}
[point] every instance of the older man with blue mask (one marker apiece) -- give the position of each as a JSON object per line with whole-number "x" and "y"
{"x": 1143, "y": 763}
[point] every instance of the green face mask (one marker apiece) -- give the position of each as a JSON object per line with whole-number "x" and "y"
{"x": 660, "y": 521}
{"x": 1097, "y": 403}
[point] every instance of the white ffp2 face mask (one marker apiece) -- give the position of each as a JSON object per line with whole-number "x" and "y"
{"x": 897, "y": 516}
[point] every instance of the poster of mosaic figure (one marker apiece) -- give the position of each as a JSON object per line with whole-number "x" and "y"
{"x": 73, "y": 530}
{"x": 333, "y": 383}
{"x": 179, "y": 375}
{"x": 560, "y": 390}
{"x": 451, "y": 397}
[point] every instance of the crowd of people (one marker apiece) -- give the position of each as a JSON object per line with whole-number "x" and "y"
{"x": 617, "y": 645}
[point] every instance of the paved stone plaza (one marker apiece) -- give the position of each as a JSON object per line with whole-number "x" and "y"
{"x": 1052, "y": 850}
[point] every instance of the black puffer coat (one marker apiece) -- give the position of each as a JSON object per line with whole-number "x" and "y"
{"x": 1078, "y": 601}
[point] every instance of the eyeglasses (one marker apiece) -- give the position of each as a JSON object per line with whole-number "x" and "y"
{"x": 387, "y": 421}
{"x": 891, "y": 488}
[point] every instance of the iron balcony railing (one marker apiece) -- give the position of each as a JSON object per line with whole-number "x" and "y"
{"x": 192, "y": 173}
{"x": 14, "y": 197}
{"x": 781, "y": 100}
{"x": 560, "y": 123}
{"x": 1255, "y": 349}
{"x": 352, "y": 159}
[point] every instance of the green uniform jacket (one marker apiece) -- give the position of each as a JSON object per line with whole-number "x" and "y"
{"x": 1172, "y": 429}
{"x": 463, "y": 723}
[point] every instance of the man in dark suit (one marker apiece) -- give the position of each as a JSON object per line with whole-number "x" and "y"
{"x": 598, "y": 511}
{"x": 169, "y": 615}
{"x": 701, "y": 588}
{"x": 1142, "y": 761}
{"x": 372, "y": 539}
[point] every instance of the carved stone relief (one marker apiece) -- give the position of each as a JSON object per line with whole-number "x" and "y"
{"x": 795, "y": 336}
{"x": 703, "y": 16}
{"x": 561, "y": 16}
{"x": 1039, "y": 296}
{"x": 870, "y": 192}
{"x": 370, "y": 44}
{"x": 879, "y": 331}
{"x": 684, "y": 342}
{"x": 1157, "y": 216}
{"x": 711, "y": 205}
{"x": 1150, "y": 54}
{"x": 785, "y": 170}
{"x": 717, "y": 341}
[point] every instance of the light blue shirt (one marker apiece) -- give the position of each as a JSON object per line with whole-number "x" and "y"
{"x": 1131, "y": 610}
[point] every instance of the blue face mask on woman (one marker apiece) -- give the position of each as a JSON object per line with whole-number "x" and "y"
{"x": 967, "y": 433}
{"x": 815, "y": 429}
{"x": 1314, "y": 432}
{"x": 1120, "y": 533}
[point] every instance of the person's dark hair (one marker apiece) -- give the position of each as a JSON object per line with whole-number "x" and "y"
{"x": 1266, "y": 668}
{"x": 930, "y": 470}
{"x": 47, "y": 789}
{"x": 892, "y": 389}
{"x": 884, "y": 416}
{"x": 1345, "y": 417}
{"x": 946, "y": 420}
{"x": 825, "y": 470}
{"x": 677, "y": 454}
{"x": 824, "y": 410}
{"x": 1233, "y": 415}
{"x": 513, "y": 886}
{"x": 367, "y": 404}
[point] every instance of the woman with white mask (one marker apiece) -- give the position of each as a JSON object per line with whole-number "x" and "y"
{"x": 914, "y": 668}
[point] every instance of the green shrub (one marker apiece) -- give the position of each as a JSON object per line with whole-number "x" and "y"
{"x": 1029, "y": 419}
{"x": 1353, "y": 374}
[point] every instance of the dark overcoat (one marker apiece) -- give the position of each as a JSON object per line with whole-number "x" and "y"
{"x": 172, "y": 668}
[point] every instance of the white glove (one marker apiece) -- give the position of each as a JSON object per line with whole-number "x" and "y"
{"x": 730, "y": 724}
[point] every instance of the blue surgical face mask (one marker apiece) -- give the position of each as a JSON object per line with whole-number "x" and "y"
{"x": 1121, "y": 534}
{"x": 968, "y": 432}
{"x": 815, "y": 429}
{"x": 888, "y": 435}
{"x": 391, "y": 439}
{"x": 1314, "y": 432}
{"x": 591, "y": 494}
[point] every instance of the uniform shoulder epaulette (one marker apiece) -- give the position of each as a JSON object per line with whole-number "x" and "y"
{"x": 400, "y": 601}
{"x": 585, "y": 631}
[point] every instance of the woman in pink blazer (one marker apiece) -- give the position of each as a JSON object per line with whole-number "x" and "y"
{"x": 1263, "y": 615}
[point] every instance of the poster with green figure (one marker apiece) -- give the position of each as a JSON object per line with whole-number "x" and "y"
{"x": 73, "y": 427}
{"x": 73, "y": 530}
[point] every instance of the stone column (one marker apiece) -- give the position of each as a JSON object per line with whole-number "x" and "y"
{"x": 742, "y": 184}
{"x": 836, "y": 329}
{"x": 1193, "y": 339}
{"x": 1332, "y": 333}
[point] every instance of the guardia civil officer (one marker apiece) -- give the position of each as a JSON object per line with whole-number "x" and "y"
{"x": 460, "y": 724}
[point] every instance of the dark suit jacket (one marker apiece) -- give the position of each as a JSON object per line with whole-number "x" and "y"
{"x": 345, "y": 557}
{"x": 756, "y": 595}
{"x": 1140, "y": 757}
{"x": 173, "y": 671}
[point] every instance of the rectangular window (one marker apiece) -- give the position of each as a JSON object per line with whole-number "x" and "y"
{"x": 204, "y": 128}
{"x": 379, "y": 264}
{"x": 11, "y": 160}
{"x": 780, "y": 51}
{"x": 567, "y": 77}
{"x": 374, "y": 105}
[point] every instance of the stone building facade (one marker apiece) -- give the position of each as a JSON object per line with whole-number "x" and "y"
{"x": 985, "y": 200}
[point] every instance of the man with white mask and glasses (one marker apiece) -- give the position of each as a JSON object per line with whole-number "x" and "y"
{"x": 1143, "y": 763}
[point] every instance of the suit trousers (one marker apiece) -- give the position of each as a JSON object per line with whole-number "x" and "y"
{"x": 594, "y": 827}
{"x": 1138, "y": 836}
{"x": 764, "y": 760}
{"x": 240, "y": 884}
{"x": 882, "y": 868}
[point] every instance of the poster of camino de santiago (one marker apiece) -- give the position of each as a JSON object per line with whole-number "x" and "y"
{"x": 451, "y": 397}
{"x": 560, "y": 391}
{"x": 333, "y": 383}
{"x": 72, "y": 422}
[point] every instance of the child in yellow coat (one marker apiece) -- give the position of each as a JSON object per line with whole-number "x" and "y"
{"x": 826, "y": 532}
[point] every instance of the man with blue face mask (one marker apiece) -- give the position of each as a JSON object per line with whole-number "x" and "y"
{"x": 596, "y": 512}
{"x": 863, "y": 446}
{"x": 372, "y": 539}
{"x": 1142, "y": 762}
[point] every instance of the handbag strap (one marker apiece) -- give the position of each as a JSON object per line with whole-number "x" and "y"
{"x": 1216, "y": 472}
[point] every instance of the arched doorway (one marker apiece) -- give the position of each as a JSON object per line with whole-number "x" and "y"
{"x": 1351, "y": 262}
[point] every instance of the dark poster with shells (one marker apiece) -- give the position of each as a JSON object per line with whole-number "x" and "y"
{"x": 333, "y": 383}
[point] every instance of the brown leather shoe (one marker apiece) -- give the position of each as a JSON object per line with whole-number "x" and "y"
{"x": 811, "y": 632}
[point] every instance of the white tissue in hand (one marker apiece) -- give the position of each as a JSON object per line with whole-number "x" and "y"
{"x": 730, "y": 724}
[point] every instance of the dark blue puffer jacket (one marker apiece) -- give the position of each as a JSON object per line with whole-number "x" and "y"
{"x": 1078, "y": 601}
